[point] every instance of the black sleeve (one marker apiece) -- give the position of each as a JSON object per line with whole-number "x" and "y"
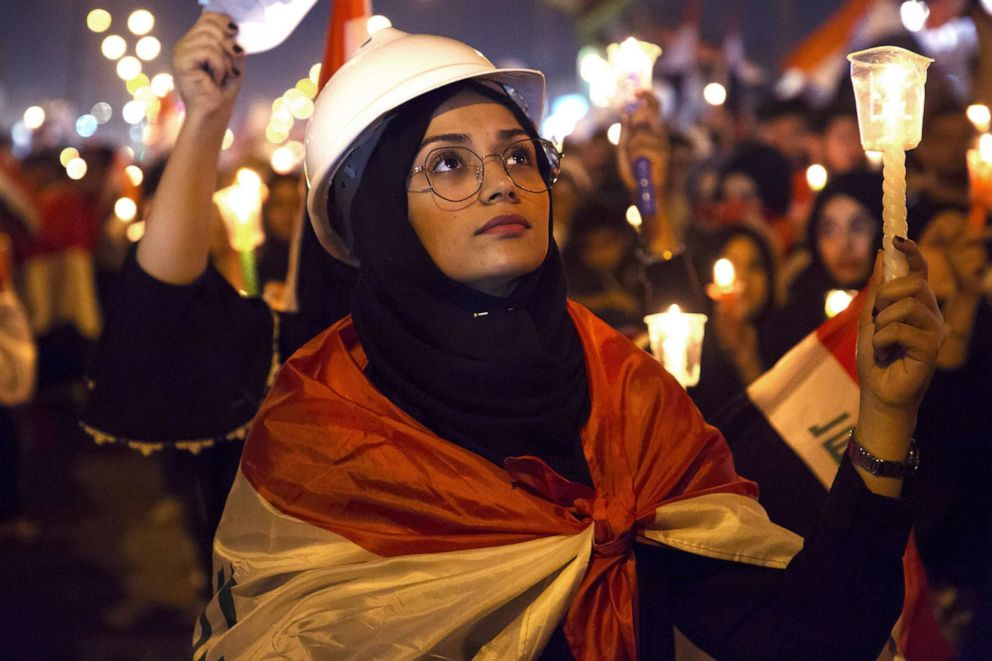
{"x": 178, "y": 364}
{"x": 838, "y": 598}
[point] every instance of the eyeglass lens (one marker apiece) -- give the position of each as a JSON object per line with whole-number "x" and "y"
{"x": 456, "y": 173}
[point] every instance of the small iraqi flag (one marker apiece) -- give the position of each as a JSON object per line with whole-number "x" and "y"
{"x": 788, "y": 433}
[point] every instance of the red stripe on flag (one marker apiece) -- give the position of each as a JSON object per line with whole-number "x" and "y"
{"x": 335, "y": 52}
{"x": 840, "y": 336}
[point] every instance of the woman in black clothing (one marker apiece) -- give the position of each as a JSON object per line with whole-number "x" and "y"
{"x": 844, "y": 232}
{"x": 425, "y": 271}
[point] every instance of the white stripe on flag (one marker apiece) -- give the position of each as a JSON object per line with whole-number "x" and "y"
{"x": 812, "y": 403}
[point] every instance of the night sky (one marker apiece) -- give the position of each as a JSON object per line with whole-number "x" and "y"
{"x": 46, "y": 52}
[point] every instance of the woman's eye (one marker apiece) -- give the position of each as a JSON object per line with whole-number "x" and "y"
{"x": 446, "y": 163}
{"x": 519, "y": 157}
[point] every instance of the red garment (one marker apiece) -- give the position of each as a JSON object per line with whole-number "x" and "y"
{"x": 327, "y": 448}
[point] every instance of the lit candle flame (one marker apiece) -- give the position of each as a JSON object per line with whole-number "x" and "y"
{"x": 837, "y": 301}
{"x": 724, "y": 275}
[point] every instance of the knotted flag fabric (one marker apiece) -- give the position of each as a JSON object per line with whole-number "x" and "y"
{"x": 354, "y": 532}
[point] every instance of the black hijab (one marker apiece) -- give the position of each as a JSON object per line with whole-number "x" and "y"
{"x": 501, "y": 377}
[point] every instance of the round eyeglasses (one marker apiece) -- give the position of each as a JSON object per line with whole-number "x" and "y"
{"x": 456, "y": 173}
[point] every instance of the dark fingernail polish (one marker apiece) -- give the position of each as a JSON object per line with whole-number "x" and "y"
{"x": 237, "y": 72}
{"x": 899, "y": 239}
{"x": 238, "y": 49}
{"x": 232, "y": 25}
{"x": 874, "y": 312}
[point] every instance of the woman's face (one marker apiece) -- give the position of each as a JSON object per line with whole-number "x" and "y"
{"x": 745, "y": 255}
{"x": 500, "y": 233}
{"x": 844, "y": 239}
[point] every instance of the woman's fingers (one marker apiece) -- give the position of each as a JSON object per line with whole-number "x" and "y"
{"x": 910, "y": 311}
{"x": 900, "y": 339}
{"x": 908, "y": 247}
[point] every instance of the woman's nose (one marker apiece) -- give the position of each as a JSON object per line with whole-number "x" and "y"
{"x": 496, "y": 182}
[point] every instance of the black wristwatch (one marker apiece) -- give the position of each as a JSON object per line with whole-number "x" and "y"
{"x": 880, "y": 467}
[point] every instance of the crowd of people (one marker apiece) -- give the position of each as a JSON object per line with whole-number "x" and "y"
{"x": 169, "y": 358}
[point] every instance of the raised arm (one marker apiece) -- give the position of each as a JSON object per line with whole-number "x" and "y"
{"x": 209, "y": 69}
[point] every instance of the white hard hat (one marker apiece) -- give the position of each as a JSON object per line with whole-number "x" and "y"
{"x": 391, "y": 68}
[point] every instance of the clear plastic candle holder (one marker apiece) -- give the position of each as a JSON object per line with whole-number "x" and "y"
{"x": 888, "y": 88}
{"x": 677, "y": 342}
{"x": 632, "y": 62}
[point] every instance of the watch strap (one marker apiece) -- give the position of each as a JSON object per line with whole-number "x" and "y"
{"x": 862, "y": 458}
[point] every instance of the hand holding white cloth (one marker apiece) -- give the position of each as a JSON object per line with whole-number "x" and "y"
{"x": 262, "y": 24}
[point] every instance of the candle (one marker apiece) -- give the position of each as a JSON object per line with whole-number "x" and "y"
{"x": 240, "y": 206}
{"x": 677, "y": 341}
{"x": 837, "y": 301}
{"x": 888, "y": 88}
{"x": 724, "y": 276}
{"x": 979, "y": 115}
{"x": 632, "y": 63}
{"x": 980, "y": 178}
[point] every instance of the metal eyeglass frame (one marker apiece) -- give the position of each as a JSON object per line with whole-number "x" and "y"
{"x": 548, "y": 147}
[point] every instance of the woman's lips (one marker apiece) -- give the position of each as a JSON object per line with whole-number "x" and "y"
{"x": 505, "y": 224}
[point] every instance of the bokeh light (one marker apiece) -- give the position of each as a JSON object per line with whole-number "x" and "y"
{"x": 816, "y": 177}
{"x": 67, "y": 155}
{"x": 134, "y": 175}
{"x": 140, "y": 22}
{"x": 76, "y": 168}
{"x": 715, "y": 94}
{"x": 86, "y": 126}
{"x": 133, "y": 111}
{"x": 914, "y": 15}
{"x": 148, "y": 48}
{"x": 634, "y": 216}
{"x": 102, "y": 112}
{"x": 34, "y": 117}
{"x": 125, "y": 209}
{"x": 138, "y": 82}
{"x": 276, "y": 135}
{"x": 980, "y": 116}
{"x": 228, "y": 139}
{"x": 135, "y": 231}
{"x": 113, "y": 47}
{"x": 99, "y": 20}
{"x": 128, "y": 67}
{"x": 162, "y": 84}
{"x": 837, "y": 301}
{"x": 315, "y": 73}
{"x": 308, "y": 87}
{"x": 613, "y": 133}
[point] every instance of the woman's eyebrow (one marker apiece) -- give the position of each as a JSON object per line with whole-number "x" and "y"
{"x": 462, "y": 138}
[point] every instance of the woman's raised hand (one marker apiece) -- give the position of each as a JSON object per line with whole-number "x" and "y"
{"x": 899, "y": 337}
{"x": 642, "y": 135}
{"x": 209, "y": 66}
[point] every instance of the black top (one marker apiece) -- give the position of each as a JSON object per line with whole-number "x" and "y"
{"x": 181, "y": 362}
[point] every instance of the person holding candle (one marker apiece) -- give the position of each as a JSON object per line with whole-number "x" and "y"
{"x": 843, "y": 234}
{"x": 742, "y": 319}
{"x": 469, "y": 464}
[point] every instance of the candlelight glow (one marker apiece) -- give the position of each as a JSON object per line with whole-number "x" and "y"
{"x": 634, "y": 217}
{"x": 76, "y": 168}
{"x": 837, "y": 301}
{"x": 135, "y": 231}
{"x": 228, "y": 139}
{"x": 148, "y": 48}
{"x": 980, "y": 116}
{"x": 34, "y": 117}
{"x": 677, "y": 340}
{"x": 985, "y": 147}
{"x": 715, "y": 94}
{"x": 125, "y": 209}
{"x": 240, "y": 205}
{"x": 287, "y": 158}
{"x": 98, "y": 20}
{"x": 113, "y": 47}
{"x": 134, "y": 175}
{"x": 141, "y": 22}
{"x": 724, "y": 275}
{"x": 631, "y": 62}
{"x": 816, "y": 177}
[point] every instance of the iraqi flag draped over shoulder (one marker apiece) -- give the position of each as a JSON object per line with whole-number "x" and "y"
{"x": 789, "y": 433}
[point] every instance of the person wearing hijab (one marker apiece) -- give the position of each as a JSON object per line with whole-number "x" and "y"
{"x": 469, "y": 465}
{"x": 843, "y": 235}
